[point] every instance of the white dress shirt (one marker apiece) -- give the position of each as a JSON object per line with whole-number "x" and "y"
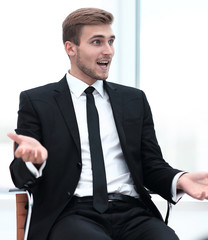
{"x": 117, "y": 173}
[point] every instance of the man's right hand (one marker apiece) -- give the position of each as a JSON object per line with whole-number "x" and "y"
{"x": 29, "y": 149}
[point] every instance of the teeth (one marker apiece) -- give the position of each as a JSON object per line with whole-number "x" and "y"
{"x": 103, "y": 62}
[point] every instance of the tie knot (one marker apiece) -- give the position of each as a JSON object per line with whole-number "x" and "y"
{"x": 89, "y": 90}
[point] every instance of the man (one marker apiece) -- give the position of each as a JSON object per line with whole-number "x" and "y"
{"x": 54, "y": 155}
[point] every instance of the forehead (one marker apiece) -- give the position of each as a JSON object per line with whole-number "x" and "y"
{"x": 90, "y": 31}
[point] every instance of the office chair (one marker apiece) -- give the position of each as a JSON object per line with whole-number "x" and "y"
{"x": 24, "y": 203}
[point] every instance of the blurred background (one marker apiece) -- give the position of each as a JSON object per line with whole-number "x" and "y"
{"x": 161, "y": 47}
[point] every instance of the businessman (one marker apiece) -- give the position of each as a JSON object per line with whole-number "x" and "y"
{"x": 86, "y": 148}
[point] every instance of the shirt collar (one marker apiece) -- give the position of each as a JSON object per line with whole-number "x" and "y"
{"x": 77, "y": 86}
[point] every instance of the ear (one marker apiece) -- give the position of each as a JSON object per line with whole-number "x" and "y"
{"x": 70, "y": 48}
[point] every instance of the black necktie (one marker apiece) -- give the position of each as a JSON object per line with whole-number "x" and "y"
{"x": 100, "y": 196}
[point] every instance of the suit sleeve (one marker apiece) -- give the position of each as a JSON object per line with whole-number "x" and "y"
{"x": 28, "y": 124}
{"x": 158, "y": 174}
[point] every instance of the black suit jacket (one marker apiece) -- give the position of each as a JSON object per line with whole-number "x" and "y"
{"x": 47, "y": 114}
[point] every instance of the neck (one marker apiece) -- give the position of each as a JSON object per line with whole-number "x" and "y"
{"x": 82, "y": 77}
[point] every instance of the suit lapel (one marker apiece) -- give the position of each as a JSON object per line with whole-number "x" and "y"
{"x": 65, "y": 104}
{"x": 64, "y": 101}
{"x": 116, "y": 104}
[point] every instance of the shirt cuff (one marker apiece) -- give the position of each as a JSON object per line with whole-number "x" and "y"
{"x": 37, "y": 173}
{"x": 176, "y": 195}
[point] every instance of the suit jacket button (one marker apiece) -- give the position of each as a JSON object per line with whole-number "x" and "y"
{"x": 79, "y": 165}
{"x": 69, "y": 194}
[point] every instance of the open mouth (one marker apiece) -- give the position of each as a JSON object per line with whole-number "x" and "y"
{"x": 103, "y": 64}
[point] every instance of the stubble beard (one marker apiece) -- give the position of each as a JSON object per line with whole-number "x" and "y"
{"x": 88, "y": 71}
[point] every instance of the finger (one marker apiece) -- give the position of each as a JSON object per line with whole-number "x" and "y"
{"x": 31, "y": 156}
{"x": 37, "y": 154}
{"x": 14, "y": 137}
{"x": 203, "y": 196}
{"x": 28, "y": 156}
{"x": 19, "y": 152}
{"x": 23, "y": 153}
{"x": 38, "y": 157}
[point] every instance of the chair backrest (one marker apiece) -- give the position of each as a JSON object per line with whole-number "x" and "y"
{"x": 21, "y": 201}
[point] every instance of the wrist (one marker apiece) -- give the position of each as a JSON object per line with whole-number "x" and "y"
{"x": 180, "y": 181}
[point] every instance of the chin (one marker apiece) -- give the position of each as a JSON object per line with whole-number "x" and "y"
{"x": 103, "y": 77}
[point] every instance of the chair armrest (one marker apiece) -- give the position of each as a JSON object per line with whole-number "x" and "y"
{"x": 23, "y": 196}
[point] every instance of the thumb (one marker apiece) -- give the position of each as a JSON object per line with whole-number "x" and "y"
{"x": 14, "y": 137}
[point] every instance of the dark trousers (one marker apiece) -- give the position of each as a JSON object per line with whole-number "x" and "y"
{"x": 122, "y": 221}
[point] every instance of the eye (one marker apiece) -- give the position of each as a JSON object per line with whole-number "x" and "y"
{"x": 96, "y": 42}
{"x": 111, "y": 41}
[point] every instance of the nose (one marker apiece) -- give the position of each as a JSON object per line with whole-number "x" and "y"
{"x": 108, "y": 49}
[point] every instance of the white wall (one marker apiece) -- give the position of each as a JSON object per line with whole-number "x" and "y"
{"x": 174, "y": 75}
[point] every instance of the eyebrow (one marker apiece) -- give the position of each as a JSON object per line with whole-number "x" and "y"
{"x": 101, "y": 36}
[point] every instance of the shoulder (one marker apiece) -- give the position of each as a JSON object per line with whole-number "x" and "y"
{"x": 123, "y": 89}
{"x": 44, "y": 90}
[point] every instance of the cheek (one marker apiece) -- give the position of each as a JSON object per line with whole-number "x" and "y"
{"x": 89, "y": 58}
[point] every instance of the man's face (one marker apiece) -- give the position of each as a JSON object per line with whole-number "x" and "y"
{"x": 94, "y": 54}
